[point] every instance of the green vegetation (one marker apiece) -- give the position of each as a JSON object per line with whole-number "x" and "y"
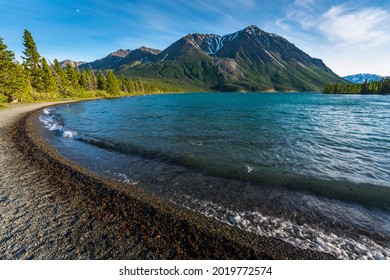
{"x": 228, "y": 74}
{"x": 36, "y": 80}
{"x": 13, "y": 79}
{"x": 177, "y": 75}
{"x": 381, "y": 87}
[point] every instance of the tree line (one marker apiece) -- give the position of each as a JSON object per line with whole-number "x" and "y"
{"x": 36, "y": 79}
{"x": 381, "y": 87}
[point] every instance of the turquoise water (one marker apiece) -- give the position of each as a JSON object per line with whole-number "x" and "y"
{"x": 285, "y": 165}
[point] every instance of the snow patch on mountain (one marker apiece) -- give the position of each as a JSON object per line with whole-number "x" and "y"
{"x": 216, "y": 42}
{"x": 363, "y": 77}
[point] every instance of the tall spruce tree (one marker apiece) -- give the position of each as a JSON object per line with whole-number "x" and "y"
{"x": 32, "y": 60}
{"x": 112, "y": 84}
{"x": 83, "y": 81}
{"x": 92, "y": 78}
{"x": 32, "y": 56}
{"x": 14, "y": 84}
{"x": 60, "y": 75}
{"x": 48, "y": 81}
{"x": 101, "y": 81}
{"x": 73, "y": 78}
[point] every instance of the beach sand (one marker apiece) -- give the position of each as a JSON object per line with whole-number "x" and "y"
{"x": 50, "y": 208}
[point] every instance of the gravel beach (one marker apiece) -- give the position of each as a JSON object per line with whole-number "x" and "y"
{"x": 50, "y": 208}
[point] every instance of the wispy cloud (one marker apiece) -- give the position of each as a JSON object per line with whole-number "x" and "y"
{"x": 341, "y": 24}
{"x": 368, "y": 26}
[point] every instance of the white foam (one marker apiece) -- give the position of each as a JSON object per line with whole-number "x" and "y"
{"x": 249, "y": 168}
{"x": 51, "y": 124}
{"x": 69, "y": 134}
{"x": 124, "y": 179}
{"x": 55, "y": 126}
{"x": 47, "y": 111}
{"x": 303, "y": 236}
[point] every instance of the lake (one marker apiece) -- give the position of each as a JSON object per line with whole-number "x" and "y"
{"x": 307, "y": 168}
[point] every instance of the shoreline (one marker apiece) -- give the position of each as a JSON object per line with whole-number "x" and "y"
{"x": 110, "y": 220}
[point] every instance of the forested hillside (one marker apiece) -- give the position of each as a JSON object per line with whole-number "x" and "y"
{"x": 35, "y": 79}
{"x": 381, "y": 87}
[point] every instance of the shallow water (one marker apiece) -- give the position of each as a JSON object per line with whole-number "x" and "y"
{"x": 310, "y": 169}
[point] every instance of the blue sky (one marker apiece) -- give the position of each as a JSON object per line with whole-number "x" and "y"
{"x": 350, "y": 36}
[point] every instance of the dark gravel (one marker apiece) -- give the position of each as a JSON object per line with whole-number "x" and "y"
{"x": 50, "y": 208}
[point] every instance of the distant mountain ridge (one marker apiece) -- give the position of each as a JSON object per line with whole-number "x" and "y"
{"x": 247, "y": 60}
{"x": 363, "y": 77}
{"x": 64, "y": 63}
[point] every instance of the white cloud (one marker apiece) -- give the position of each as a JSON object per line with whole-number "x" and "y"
{"x": 365, "y": 27}
{"x": 349, "y": 37}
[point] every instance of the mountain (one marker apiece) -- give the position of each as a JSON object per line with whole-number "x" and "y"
{"x": 138, "y": 56}
{"x": 362, "y": 78}
{"x": 111, "y": 61}
{"x": 71, "y": 62}
{"x": 247, "y": 60}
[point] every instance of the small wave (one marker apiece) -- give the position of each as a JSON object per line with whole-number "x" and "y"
{"x": 303, "y": 235}
{"x": 52, "y": 124}
{"x": 47, "y": 111}
{"x": 70, "y": 134}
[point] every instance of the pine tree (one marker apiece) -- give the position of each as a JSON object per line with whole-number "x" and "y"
{"x": 133, "y": 86}
{"x": 31, "y": 53}
{"x": 142, "y": 85}
{"x": 84, "y": 80}
{"x": 31, "y": 60}
{"x": 72, "y": 77}
{"x": 92, "y": 78}
{"x": 112, "y": 84}
{"x": 385, "y": 86}
{"x": 101, "y": 81}
{"x": 14, "y": 84}
{"x": 48, "y": 81}
{"x": 60, "y": 75}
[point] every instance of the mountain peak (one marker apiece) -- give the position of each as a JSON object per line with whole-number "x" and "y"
{"x": 73, "y": 63}
{"x": 149, "y": 50}
{"x": 121, "y": 53}
{"x": 361, "y": 78}
{"x": 252, "y": 28}
{"x": 256, "y": 31}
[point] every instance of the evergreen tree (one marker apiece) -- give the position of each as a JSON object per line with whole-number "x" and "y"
{"x": 60, "y": 75}
{"x": 122, "y": 84}
{"x": 365, "y": 88}
{"x": 72, "y": 77}
{"x": 142, "y": 85}
{"x": 83, "y": 81}
{"x": 92, "y": 78}
{"x": 101, "y": 81}
{"x": 112, "y": 84}
{"x": 385, "y": 86}
{"x": 133, "y": 86}
{"x": 48, "y": 81}
{"x": 32, "y": 56}
{"x": 31, "y": 60}
{"x": 14, "y": 84}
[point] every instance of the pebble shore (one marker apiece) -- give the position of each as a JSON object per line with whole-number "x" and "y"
{"x": 51, "y": 208}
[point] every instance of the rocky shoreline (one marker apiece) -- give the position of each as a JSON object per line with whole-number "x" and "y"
{"x": 74, "y": 214}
